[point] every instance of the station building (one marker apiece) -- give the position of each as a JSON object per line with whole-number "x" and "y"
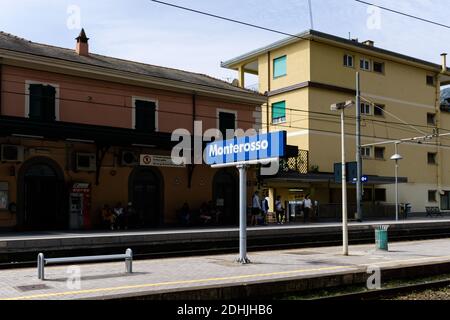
{"x": 304, "y": 75}
{"x": 80, "y": 130}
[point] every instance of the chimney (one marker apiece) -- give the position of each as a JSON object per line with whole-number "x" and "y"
{"x": 82, "y": 44}
{"x": 444, "y": 62}
{"x": 369, "y": 43}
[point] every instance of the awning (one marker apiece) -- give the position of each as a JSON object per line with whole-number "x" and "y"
{"x": 74, "y": 132}
{"x": 292, "y": 177}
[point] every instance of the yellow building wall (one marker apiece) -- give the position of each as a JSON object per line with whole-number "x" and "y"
{"x": 298, "y": 67}
{"x": 399, "y": 81}
{"x": 402, "y": 90}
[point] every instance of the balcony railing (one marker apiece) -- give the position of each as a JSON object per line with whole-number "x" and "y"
{"x": 299, "y": 164}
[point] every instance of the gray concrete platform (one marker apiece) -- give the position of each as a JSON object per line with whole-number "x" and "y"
{"x": 219, "y": 277}
{"x": 58, "y": 241}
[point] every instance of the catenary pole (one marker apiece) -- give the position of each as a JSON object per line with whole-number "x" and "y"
{"x": 344, "y": 190}
{"x": 359, "y": 214}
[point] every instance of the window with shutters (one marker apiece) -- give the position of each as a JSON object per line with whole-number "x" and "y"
{"x": 42, "y": 101}
{"x": 145, "y": 115}
{"x": 279, "y": 67}
{"x": 279, "y": 112}
{"x": 227, "y": 121}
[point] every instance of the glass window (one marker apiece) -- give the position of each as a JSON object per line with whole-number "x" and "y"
{"x": 364, "y": 64}
{"x": 431, "y": 119}
{"x": 430, "y": 80}
{"x": 365, "y": 108}
{"x": 279, "y": 112}
{"x": 348, "y": 61}
{"x": 279, "y": 67}
{"x": 431, "y": 158}
{"x": 145, "y": 115}
{"x": 379, "y": 153}
{"x": 4, "y": 193}
{"x": 432, "y": 196}
{"x": 366, "y": 152}
{"x": 378, "y": 67}
{"x": 378, "y": 110}
{"x": 445, "y": 201}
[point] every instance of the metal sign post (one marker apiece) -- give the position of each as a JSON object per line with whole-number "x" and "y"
{"x": 241, "y": 153}
{"x": 243, "y": 215}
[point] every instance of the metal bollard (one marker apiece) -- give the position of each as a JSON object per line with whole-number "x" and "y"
{"x": 41, "y": 266}
{"x": 129, "y": 261}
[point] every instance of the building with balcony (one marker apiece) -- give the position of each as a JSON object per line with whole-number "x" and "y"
{"x": 303, "y": 75}
{"x": 80, "y": 131}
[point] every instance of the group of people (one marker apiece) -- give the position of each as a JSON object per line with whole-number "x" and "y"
{"x": 119, "y": 217}
{"x": 207, "y": 214}
{"x": 260, "y": 209}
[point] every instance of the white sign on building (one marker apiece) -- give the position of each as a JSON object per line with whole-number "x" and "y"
{"x": 151, "y": 160}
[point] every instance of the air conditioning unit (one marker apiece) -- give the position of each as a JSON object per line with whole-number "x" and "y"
{"x": 86, "y": 162}
{"x": 129, "y": 158}
{"x": 11, "y": 153}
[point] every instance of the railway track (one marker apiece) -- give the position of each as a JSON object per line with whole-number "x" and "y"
{"x": 387, "y": 293}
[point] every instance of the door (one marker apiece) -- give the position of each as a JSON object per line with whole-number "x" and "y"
{"x": 146, "y": 198}
{"x": 43, "y": 195}
{"x": 225, "y": 193}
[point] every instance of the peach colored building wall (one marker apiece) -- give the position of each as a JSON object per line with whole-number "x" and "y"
{"x": 97, "y": 102}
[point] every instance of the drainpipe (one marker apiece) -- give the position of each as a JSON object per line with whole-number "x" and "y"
{"x": 438, "y": 121}
{"x": 1, "y": 85}
{"x": 194, "y": 110}
{"x": 268, "y": 91}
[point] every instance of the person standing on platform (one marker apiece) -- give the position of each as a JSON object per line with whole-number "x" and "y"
{"x": 307, "y": 208}
{"x": 119, "y": 213}
{"x": 279, "y": 210}
{"x": 256, "y": 208}
{"x": 264, "y": 209}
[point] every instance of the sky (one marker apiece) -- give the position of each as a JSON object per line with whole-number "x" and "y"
{"x": 145, "y": 31}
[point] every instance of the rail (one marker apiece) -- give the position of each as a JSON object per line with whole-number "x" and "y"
{"x": 42, "y": 261}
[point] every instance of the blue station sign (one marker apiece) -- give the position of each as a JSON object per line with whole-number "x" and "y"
{"x": 241, "y": 149}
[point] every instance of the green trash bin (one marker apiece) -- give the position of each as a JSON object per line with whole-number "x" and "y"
{"x": 381, "y": 237}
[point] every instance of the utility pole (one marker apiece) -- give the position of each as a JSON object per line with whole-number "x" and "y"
{"x": 311, "y": 18}
{"x": 344, "y": 189}
{"x": 341, "y": 107}
{"x": 359, "y": 216}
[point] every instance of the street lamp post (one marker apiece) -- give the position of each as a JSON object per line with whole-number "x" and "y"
{"x": 396, "y": 157}
{"x": 341, "y": 107}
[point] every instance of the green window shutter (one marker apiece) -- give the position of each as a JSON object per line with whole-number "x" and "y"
{"x": 279, "y": 67}
{"x": 49, "y": 103}
{"x": 279, "y": 111}
{"x": 226, "y": 121}
{"x": 145, "y": 116}
{"x": 42, "y": 102}
{"x": 36, "y": 95}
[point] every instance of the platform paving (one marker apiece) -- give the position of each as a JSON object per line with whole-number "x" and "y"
{"x": 106, "y": 280}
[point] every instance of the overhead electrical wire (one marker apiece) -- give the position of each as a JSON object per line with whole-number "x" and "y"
{"x": 405, "y": 14}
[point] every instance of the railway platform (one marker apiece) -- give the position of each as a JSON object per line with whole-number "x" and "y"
{"x": 23, "y": 247}
{"x": 219, "y": 277}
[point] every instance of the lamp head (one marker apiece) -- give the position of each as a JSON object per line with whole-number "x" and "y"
{"x": 396, "y": 157}
{"x": 341, "y": 105}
